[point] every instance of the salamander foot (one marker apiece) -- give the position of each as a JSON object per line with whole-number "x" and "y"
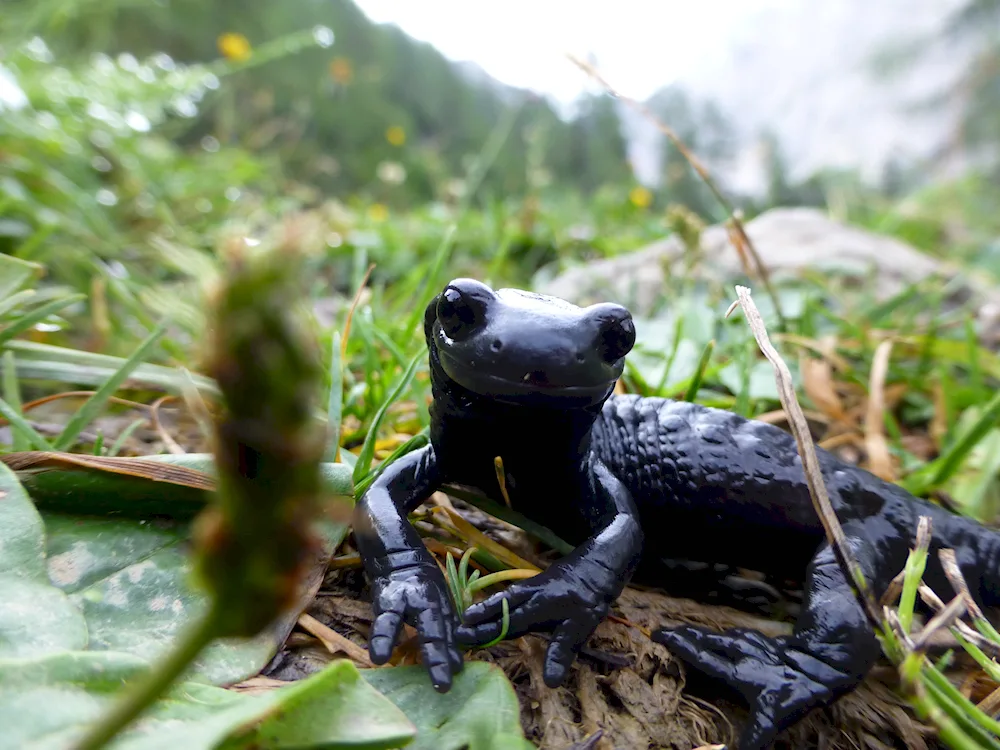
{"x": 779, "y": 680}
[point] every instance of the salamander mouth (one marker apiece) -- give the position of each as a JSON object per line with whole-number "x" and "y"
{"x": 532, "y": 383}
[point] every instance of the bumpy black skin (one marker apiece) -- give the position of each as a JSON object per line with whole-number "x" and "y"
{"x": 529, "y": 378}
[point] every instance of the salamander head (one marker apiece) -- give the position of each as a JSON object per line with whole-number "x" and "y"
{"x": 518, "y": 346}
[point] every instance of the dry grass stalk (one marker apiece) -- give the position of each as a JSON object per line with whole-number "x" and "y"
{"x": 879, "y": 460}
{"x": 703, "y": 173}
{"x": 810, "y": 462}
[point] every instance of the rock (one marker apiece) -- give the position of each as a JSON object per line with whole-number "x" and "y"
{"x": 788, "y": 240}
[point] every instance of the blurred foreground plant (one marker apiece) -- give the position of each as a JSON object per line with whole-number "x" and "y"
{"x": 253, "y": 543}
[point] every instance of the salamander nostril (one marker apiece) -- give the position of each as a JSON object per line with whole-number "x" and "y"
{"x": 497, "y": 345}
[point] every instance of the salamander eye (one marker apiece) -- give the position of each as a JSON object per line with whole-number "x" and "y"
{"x": 461, "y": 311}
{"x": 616, "y": 333}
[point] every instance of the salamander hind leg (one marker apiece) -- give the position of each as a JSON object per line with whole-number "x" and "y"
{"x": 829, "y": 653}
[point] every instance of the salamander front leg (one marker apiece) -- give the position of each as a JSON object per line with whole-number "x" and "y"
{"x": 829, "y": 652}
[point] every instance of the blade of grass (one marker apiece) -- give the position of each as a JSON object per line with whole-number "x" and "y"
{"x": 675, "y": 347}
{"x": 699, "y": 374}
{"x": 37, "y": 315}
{"x": 417, "y": 441}
{"x": 944, "y": 467}
{"x": 20, "y": 424}
{"x": 88, "y": 411}
{"x": 8, "y": 304}
{"x": 15, "y": 273}
{"x": 363, "y": 466}
{"x": 975, "y": 372}
{"x": 742, "y": 404}
{"x": 498, "y": 510}
{"x": 125, "y": 435}
{"x": 335, "y": 400}
{"x": 374, "y": 332}
{"x": 12, "y": 394}
{"x": 916, "y": 563}
{"x": 474, "y": 535}
{"x": 48, "y": 362}
{"x": 973, "y": 721}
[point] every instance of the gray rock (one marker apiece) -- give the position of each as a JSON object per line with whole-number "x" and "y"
{"x": 788, "y": 241}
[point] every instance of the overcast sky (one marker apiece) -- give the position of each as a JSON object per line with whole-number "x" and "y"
{"x": 640, "y": 45}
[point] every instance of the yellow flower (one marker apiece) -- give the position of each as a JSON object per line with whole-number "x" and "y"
{"x": 378, "y": 212}
{"x": 640, "y": 197}
{"x": 341, "y": 70}
{"x": 396, "y": 135}
{"x": 234, "y": 46}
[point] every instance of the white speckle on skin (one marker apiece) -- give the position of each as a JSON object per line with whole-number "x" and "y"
{"x": 158, "y": 603}
{"x": 177, "y": 606}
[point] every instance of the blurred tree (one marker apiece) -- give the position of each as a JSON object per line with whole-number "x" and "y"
{"x": 977, "y": 24}
{"x": 969, "y": 32}
{"x": 596, "y": 150}
{"x": 325, "y": 112}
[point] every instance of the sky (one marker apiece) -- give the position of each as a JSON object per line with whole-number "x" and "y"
{"x": 639, "y": 45}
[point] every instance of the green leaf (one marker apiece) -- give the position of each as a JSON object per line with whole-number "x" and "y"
{"x": 128, "y": 576}
{"x": 35, "y": 617}
{"x": 480, "y": 712}
{"x": 46, "y": 703}
{"x": 334, "y": 703}
{"x": 131, "y": 577}
{"x": 140, "y": 604}
{"x": 22, "y": 534}
{"x": 761, "y": 386}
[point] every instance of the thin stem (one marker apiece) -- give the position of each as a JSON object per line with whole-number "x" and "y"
{"x": 139, "y": 697}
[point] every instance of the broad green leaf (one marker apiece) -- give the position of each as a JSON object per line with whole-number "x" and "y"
{"x": 22, "y": 535}
{"x": 81, "y": 550}
{"x": 334, "y": 703}
{"x": 480, "y": 712}
{"x": 45, "y": 704}
{"x": 35, "y": 617}
{"x": 762, "y": 384}
{"x": 130, "y": 575}
{"x": 144, "y": 606}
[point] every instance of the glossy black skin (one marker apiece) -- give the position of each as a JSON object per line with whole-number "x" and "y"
{"x": 529, "y": 378}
